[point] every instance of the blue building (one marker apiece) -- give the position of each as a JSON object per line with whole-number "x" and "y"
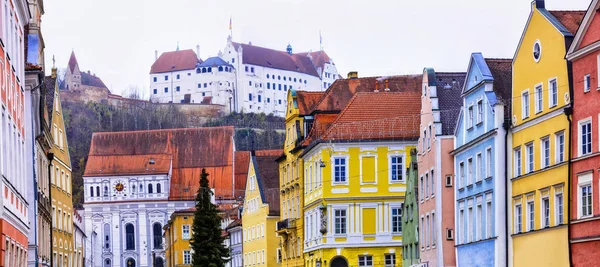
{"x": 479, "y": 163}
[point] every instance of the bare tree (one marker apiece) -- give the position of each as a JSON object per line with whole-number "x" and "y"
{"x": 135, "y": 92}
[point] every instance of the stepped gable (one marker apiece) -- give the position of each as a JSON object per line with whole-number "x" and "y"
{"x": 184, "y": 152}
{"x": 338, "y": 95}
{"x": 260, "y": 56}
{"x": 175, "y": 61}
{"x": 448, "y": 87}
{"x": 378, "y": 115}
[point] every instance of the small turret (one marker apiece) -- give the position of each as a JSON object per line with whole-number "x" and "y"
{"x": 289, "y": 49}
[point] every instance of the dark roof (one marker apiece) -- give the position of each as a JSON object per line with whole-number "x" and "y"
{"x": 306, "y": 100}
{"x": 91, "y": 80}
{"x": 270, "y": 58}
{"x": 175, "y": 61}
{"x": 570, "y": 19}
{"x": 233, "y": 224}
{"x": 242, "y": 160}
{"x": 213, "y": 62}
{"x": 501, "y": 70}
{"x": 50, "y": 84}
{"x": 72, "y": 61}
{"x": 448, "y": 87}
{"x": 183, "y": 151}
{"x": 342, "y": 90}
{"x": 319, "y": 58}
{"x": 267, "y": 176}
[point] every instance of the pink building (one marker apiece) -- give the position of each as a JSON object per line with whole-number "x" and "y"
{"x": 440, "y": 103}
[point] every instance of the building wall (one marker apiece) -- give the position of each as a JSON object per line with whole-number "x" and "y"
{"x": 260, "y": 240}
{"x": 177, "y": 244}
{"x": 236, "y": 252}
{"x": 542, "y": 246}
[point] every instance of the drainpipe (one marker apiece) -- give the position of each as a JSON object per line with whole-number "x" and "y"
{"x": 506, "y": 126}
{"x": 568, "y": 112}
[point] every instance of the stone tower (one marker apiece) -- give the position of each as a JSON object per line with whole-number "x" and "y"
{"x": 73, "y": 75}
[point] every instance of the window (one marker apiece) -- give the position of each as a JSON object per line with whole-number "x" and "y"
{"x": 479, "y": 111}
{"x": 155, "y": 91}
{"x": 470, "y": 171}
{"x": 518, "y": 219}
{"x": 538, "y": 99}
{"x": 585, "y": 137}
{"x": 525, "y": 104}
{"x": 471, "y": 222}
{"x": 529, "y": 159}
{"x": 178, "y": 88}
{"x": 157, "y": 235}
{"x": 448, "y": 180}
{"x": 249, "y": 97}
{"x": 585, "y": 196}
{"x": 429, "y": 138}
{"x": 424, "y": 139}
{"x": 560, "y": 147}
{"x": 586, "y": 83}
{"x": 461, "y": 173}
{"x": 166, "y": 77}
{"x": 166, "y": 89}
{"x": 397, "y": 220}
{"x": 488, "y": 217}
{"x": 479, "y": 220}
{"x": 187, "y": 257}
{"x": 530, "y": 216}
{"x": 268, "y": 86}
{"x": 150, "y": 191}
{"x": 545, "y": 212}
{"x": 470, "y": 119}
{"x": 339, "y": 170}
{"x": 259, "y": 98}
{"x": 340, "y": 222}
{"x": 154, "y": 79}
{"x": 91, "y": 191}
{"x": 252, "y": 69}
{"x": 426, "y": 193}
{"x": 390, "y": 260}
{"x": 421, "y": 191}
{"x": 432, "y": 184}
{"x": 129, "y": 237}
{"x": 488, "y": 159}
{"x": 461, "y": 225}
{"x": 366, "y": 260}
{"x": 545, "y": 152}
{"x": 185, "y": 231}
{"x": 553, "y": 93}
{"x": 479, "y": 170}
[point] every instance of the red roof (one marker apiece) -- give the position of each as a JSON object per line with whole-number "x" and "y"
{"x": 270, "y": 58}
{"x": 378, "y": 115}
{"x": 306, "y": 100}
{"x": 319, "y": 58}
{"x": 184, "y": 151}
{"x": 175, "y": 61}
{"x": 570, "y": 19}
{"x": 242, "y": 160}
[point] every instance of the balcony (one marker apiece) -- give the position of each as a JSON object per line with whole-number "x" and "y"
{"x": 287, "y": 224}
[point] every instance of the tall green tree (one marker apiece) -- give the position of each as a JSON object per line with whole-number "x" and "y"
{"x": 207, "y": 242}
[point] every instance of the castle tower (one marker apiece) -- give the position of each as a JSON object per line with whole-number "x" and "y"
{"x": 73, "y": 75}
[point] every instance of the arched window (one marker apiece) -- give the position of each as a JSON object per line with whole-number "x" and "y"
{"x": 105, "y": 191}
{"x": 209, "y": 69}
{"x": 106, "y": 236}
{"x": 158, "y": 188}
{"x": 107, "y": 263}
{"x": 157, "y": 235}
{"x": 129, "y": 237}
{"x": 198, "y": 70}
{"x": 203, "y": 70}
{"x": 97, "y": 191}
{"x": 220, "y": 68}
{"x": 141, "y": 188}
{"x": 91, "y": 191}
{"x": 149, "y": 188}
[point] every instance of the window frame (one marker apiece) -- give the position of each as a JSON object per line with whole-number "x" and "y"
{"x": 333, "y": 171}
{"x": 480, "y": 112}
{"x": 539, "y": 97}
{"x": 530, "y": 157}
{"x": 518, "y": 217}
{"x": 587, "y": 83}
{"x": 559, "y": 154}
{"x": 365, "y": 261}
{"x": 545, "y": 148}
{"x": 545, "y": 210}
{"x": 580, "y": 144}
{"x": 530, "y": 225}
{"x": 552, "y": 92}
{"x": 399, "y": 219}
{"x": 525, "y": 105}
{"x": 518, "y": 161}
{"x": 343, "y": 221}
{"x": 585, "y": 180}
{"x": 470, "y": 117}
{"x": 391, "y": 168}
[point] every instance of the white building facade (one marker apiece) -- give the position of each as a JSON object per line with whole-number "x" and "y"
{"x": 244, "y": 77}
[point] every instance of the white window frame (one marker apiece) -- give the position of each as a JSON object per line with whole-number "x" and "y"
{"x": 189, "y": 255}
{"x": 363, "y": 261}
{"x": 518, "y": 216}
{"x": 461, "y": 174}
{"x": 518, "y": 161}
{"x": 336, "y": 217}
{"x": 470, "y": 117}
{"x": 584, "y": 180}
{"x": 530, "y": 225}
{"x": 390, "y": 260}
{"x": 399, "y": 216}
{"x": 552, "y": 102}
{"x": 489, "y": 162}
{"x": 580, "y": 124}
{"x": 539, "y": 97}
{"x": 478, "y": 167}
{"x": 460, "y": 231}
{"x": 479, "y": 218}
{"x": 543, "y": 149}
{"x": 346, "y": 159}
{"x": 529, "y": 159}
{"x": 469, "y": 171}
{"x": 587, "y": 83}
{"x": 183, "y": 234}
{"x": 525, "y": 108}
{"x": 480, "y": 112}
{"x": 559, "y": 151}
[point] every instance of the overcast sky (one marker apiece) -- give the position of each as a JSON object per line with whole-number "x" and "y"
{"x": 116, "y": 39}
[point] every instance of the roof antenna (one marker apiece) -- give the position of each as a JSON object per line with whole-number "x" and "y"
{"x": 177, "y": 46}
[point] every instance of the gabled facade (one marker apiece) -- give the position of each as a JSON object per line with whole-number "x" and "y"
{"x": 261, "y": 210}
{"x": 355, "y": 182}
{"x": 584, "y": 54}
{"x": 480, "y": 139}
{"x": 177, "y": 235}
{"x": 440, "y": 105}
{"x": 539, "y": 150}
{"x": 411, "y": 252}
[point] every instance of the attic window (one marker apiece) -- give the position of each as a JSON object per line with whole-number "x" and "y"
{"x": 151, "y": 161}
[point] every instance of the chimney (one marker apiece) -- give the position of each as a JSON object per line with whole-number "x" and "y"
{"x": 353, "y": 75}
{"x": 198, "y": 51}
{"x": 376, "y": 86}
{"x": 540, "y": 4}
{"x": 155, "y": 55}
{"x": 89, "y": 72}
{"x": 387, "y": 88}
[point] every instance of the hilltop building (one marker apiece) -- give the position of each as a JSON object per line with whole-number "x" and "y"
{"x": 243, "y": 77}
{"x": 82, "y": 85}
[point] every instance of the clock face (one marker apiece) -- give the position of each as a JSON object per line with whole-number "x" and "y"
{"x": 119, "y": 186}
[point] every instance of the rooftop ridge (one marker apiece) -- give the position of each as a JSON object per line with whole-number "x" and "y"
{"x": 162, "y": 130}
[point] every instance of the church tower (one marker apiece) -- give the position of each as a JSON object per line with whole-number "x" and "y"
{"x": 73, "y": 75}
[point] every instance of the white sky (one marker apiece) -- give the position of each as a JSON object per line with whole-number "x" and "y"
{"x": 116, "y": 39}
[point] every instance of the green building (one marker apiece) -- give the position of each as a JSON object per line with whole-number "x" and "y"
{"x": 410, "y": 223}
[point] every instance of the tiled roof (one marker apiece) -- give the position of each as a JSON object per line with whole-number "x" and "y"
{"x": 448, "y": 88}
{"x": 91, "y": 80}
{"x": 260, "y": 56}
{"x": 50, "y": 84}
{"x": 72, "y": 61}
{"x": 214, "y": 62}
{"x": 267, "y": 176}
{"x": 319, "y": 58}
{"x": 186, "y": 150}
{"x": 175, "y": 61}
{"x": 378, "y": 115}
{"x": 569, "y": 19}
{"x": 233, "y": 224}
{"x": 342, "y": 90}
{"x": 501, "y": 70}
{"x": 242, "y": 160}
{"x": 306, "y": 100}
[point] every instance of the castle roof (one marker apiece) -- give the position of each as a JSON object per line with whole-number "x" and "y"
{"x": 91, "y": 80}
{"x": 72, "y": 61}
{"x": 270, "y": 58}
{"x": 175, "y": 61}
{"x": 319, "y": 58}
{"x": 214, "y": 62}
{"x": 182, "y": 152}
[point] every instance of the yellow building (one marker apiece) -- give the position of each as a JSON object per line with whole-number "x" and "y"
{"x": 261, "y": 211}
{"x": 177, "y": 233}
{"x": 289, "y": 227}
{"x": 540, "y": 134}
{"x": 60, "y": 190}
{"x": 355, "y": 182}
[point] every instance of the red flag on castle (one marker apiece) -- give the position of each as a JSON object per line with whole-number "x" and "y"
{"x": 230, "y": 23}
